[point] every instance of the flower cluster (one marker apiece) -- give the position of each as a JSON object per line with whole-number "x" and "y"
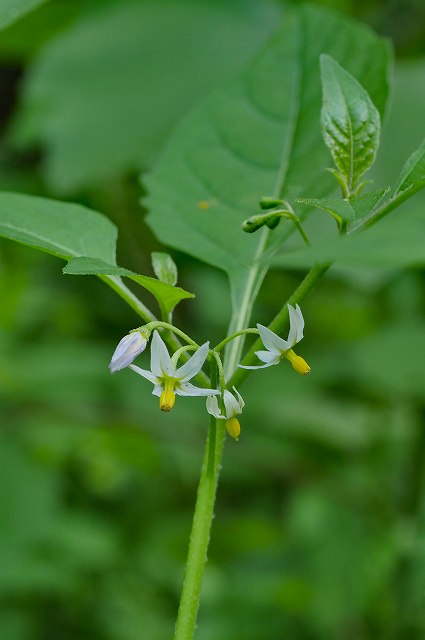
{"x": 170, "y": 380}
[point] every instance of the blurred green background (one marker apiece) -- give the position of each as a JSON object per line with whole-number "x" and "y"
{"x": 320, "y": 522}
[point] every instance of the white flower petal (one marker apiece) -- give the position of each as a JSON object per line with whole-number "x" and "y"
{"x": 145, "y": 374}
{"x": 161, "y": 364}
{"x": 213, "y": 408}
{"x": 260, "y": 366}
{"x": 128, "y": 348}
{"x": 187, "y": 389}
{"x": 268, "y": 356}
{"x": 194, "y": 364}
{"x": 240, "y": 399}
{"x": 157, "y": 390}
{"x": 296, "y": 325}
{"x": 231, "y": 404}
{"x": 271, "y": 340}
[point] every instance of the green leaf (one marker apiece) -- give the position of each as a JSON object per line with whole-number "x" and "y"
{"x": 257, "y": 136}
{"x": 368, "y": 202}
{"x": 166, "y": 295}
{"x": 345, "y": 209}
{"x": 413, "y": 173}
{"x": 164, "y": 267}
{"x": 103, "y": 96}
{"x": 396, "y": 242}
{"x": 12, "y": 10}
{"x": 62, "y": 229}
{"x": 350, "y": 123}
{"x": 339, "y": 209}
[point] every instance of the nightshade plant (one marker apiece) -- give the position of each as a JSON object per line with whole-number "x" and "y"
{"x": 316, "y": 92}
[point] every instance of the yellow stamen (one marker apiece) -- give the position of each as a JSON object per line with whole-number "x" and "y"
{"x": 233, "y": 427}
{"x": 298, "y": 363}
{"x": 168, "y": 397}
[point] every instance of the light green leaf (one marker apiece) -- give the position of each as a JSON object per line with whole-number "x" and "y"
{"x": 397, "y": 241}
{"x": 166, "y": 295}
{"x": 12, "y": 10}
{"x": 413, "y": 172}
{"x": 345, "y": 209}
{"x": 164, "y": 267}
{"x": 103, "y": 97}
{"x": 350, "y": 123}
{"x": 257, "y": 136}
{"x": 62, "y": 229}
{"x": 368, "y": 202}
{"x": 339, "y": 209}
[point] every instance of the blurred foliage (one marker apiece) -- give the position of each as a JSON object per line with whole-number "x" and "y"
{"x": 320, "y": 527}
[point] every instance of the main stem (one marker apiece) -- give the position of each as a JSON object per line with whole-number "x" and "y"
{"x": 207, "y": 488}
{"x": 201, "y": 527}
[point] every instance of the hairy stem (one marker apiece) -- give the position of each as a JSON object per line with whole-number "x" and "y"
{"x": 201, "y": 527}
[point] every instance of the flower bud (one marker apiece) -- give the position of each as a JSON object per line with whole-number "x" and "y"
{"x": 128, "y": 349}
{"x": 270, "y": 203}
{"x": 256, "y": 222}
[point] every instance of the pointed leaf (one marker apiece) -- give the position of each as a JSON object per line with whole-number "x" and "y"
{"x": 166, "y": 295}
{"x": 350, "y": 122}
{"x": 62, "y": 229}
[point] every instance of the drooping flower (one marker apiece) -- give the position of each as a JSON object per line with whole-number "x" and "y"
{"x": 169, "y": 380}
{"x": 233, "y": 404}
{"x": 277, "y": 348}
{"x": 128, "y": 349}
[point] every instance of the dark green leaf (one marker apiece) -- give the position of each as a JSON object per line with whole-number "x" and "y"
{"x": 350, "y": 123}
{"x": 62, "y": 229}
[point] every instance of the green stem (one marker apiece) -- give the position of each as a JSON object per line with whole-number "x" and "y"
{"x": 279, "y": 321}
{"x": 232, "y": 337}
{"x": 170, "y": 327}
{"x": 392, "y": 204}
{"x": 201, "y": 527}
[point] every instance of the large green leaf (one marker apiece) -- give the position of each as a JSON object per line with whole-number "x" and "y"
{"x": 104, "y": 95}
{"x": 259, "y": 135}
{"x": 12, "y": 10}
{"x": 62, "y": 229}
{"x": 166, "y": 295}
{"x": 350, "y": 123}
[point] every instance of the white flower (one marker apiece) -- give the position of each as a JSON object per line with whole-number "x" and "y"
{"x": 128, "y": 348}
{"x": 233, "y": 404}
{"x": 169, "y": 380}
{"x": 278, "y": 348}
